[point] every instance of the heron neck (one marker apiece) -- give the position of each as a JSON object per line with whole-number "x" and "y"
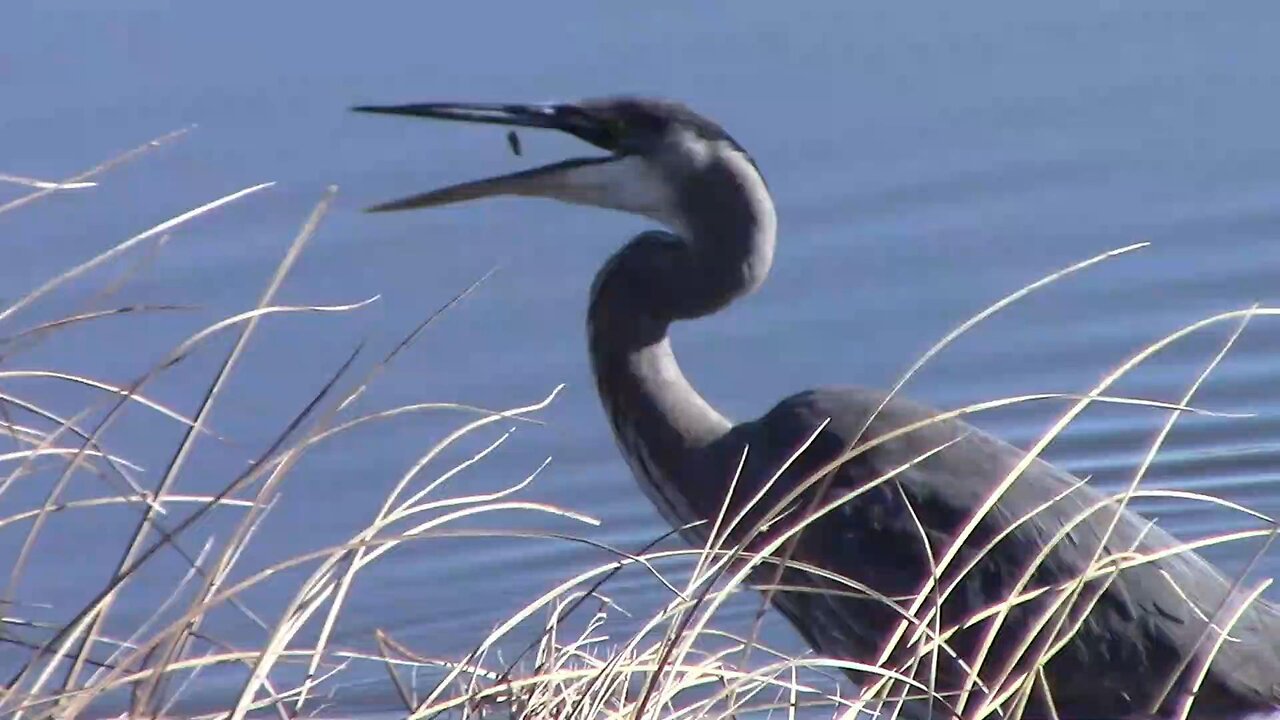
{"x": 661, "y": 422}
{"x": 644, "y": 391}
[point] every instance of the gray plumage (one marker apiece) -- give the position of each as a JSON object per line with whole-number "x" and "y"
{"x": 670, "y": 164}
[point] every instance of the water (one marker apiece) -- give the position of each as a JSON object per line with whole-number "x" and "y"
{"x": 926, "y": 161}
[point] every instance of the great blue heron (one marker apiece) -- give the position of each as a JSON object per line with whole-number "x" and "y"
{"x": 1144, "y": 639}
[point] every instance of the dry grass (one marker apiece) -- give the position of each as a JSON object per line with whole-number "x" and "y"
{"x": 672, "y": 664}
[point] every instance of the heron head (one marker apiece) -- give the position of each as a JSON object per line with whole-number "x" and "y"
{"x": 654, "y": 149}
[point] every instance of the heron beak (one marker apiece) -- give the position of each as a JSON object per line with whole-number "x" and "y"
{"x": 570, "y": 180}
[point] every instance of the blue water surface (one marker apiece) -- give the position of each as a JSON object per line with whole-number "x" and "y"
{"x": 927, "y": 159}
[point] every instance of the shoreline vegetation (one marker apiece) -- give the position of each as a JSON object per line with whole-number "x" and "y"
{"x": 675, "y": 664}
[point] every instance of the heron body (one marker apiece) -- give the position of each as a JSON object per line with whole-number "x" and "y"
{"x": 1140, "y": 635}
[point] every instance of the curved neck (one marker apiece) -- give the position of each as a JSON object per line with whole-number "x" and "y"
{"x": 659, "y": 419}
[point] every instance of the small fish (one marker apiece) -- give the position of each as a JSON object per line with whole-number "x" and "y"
{"x": 514, "y": 141}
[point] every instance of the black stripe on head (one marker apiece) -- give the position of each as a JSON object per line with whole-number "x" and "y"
{"x": 637, "y": 118}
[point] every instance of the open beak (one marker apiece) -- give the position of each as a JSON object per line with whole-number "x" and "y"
{"x": 565, "y": 180}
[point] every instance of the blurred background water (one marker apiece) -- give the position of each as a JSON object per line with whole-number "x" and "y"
{"x": 926, "y": 160}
